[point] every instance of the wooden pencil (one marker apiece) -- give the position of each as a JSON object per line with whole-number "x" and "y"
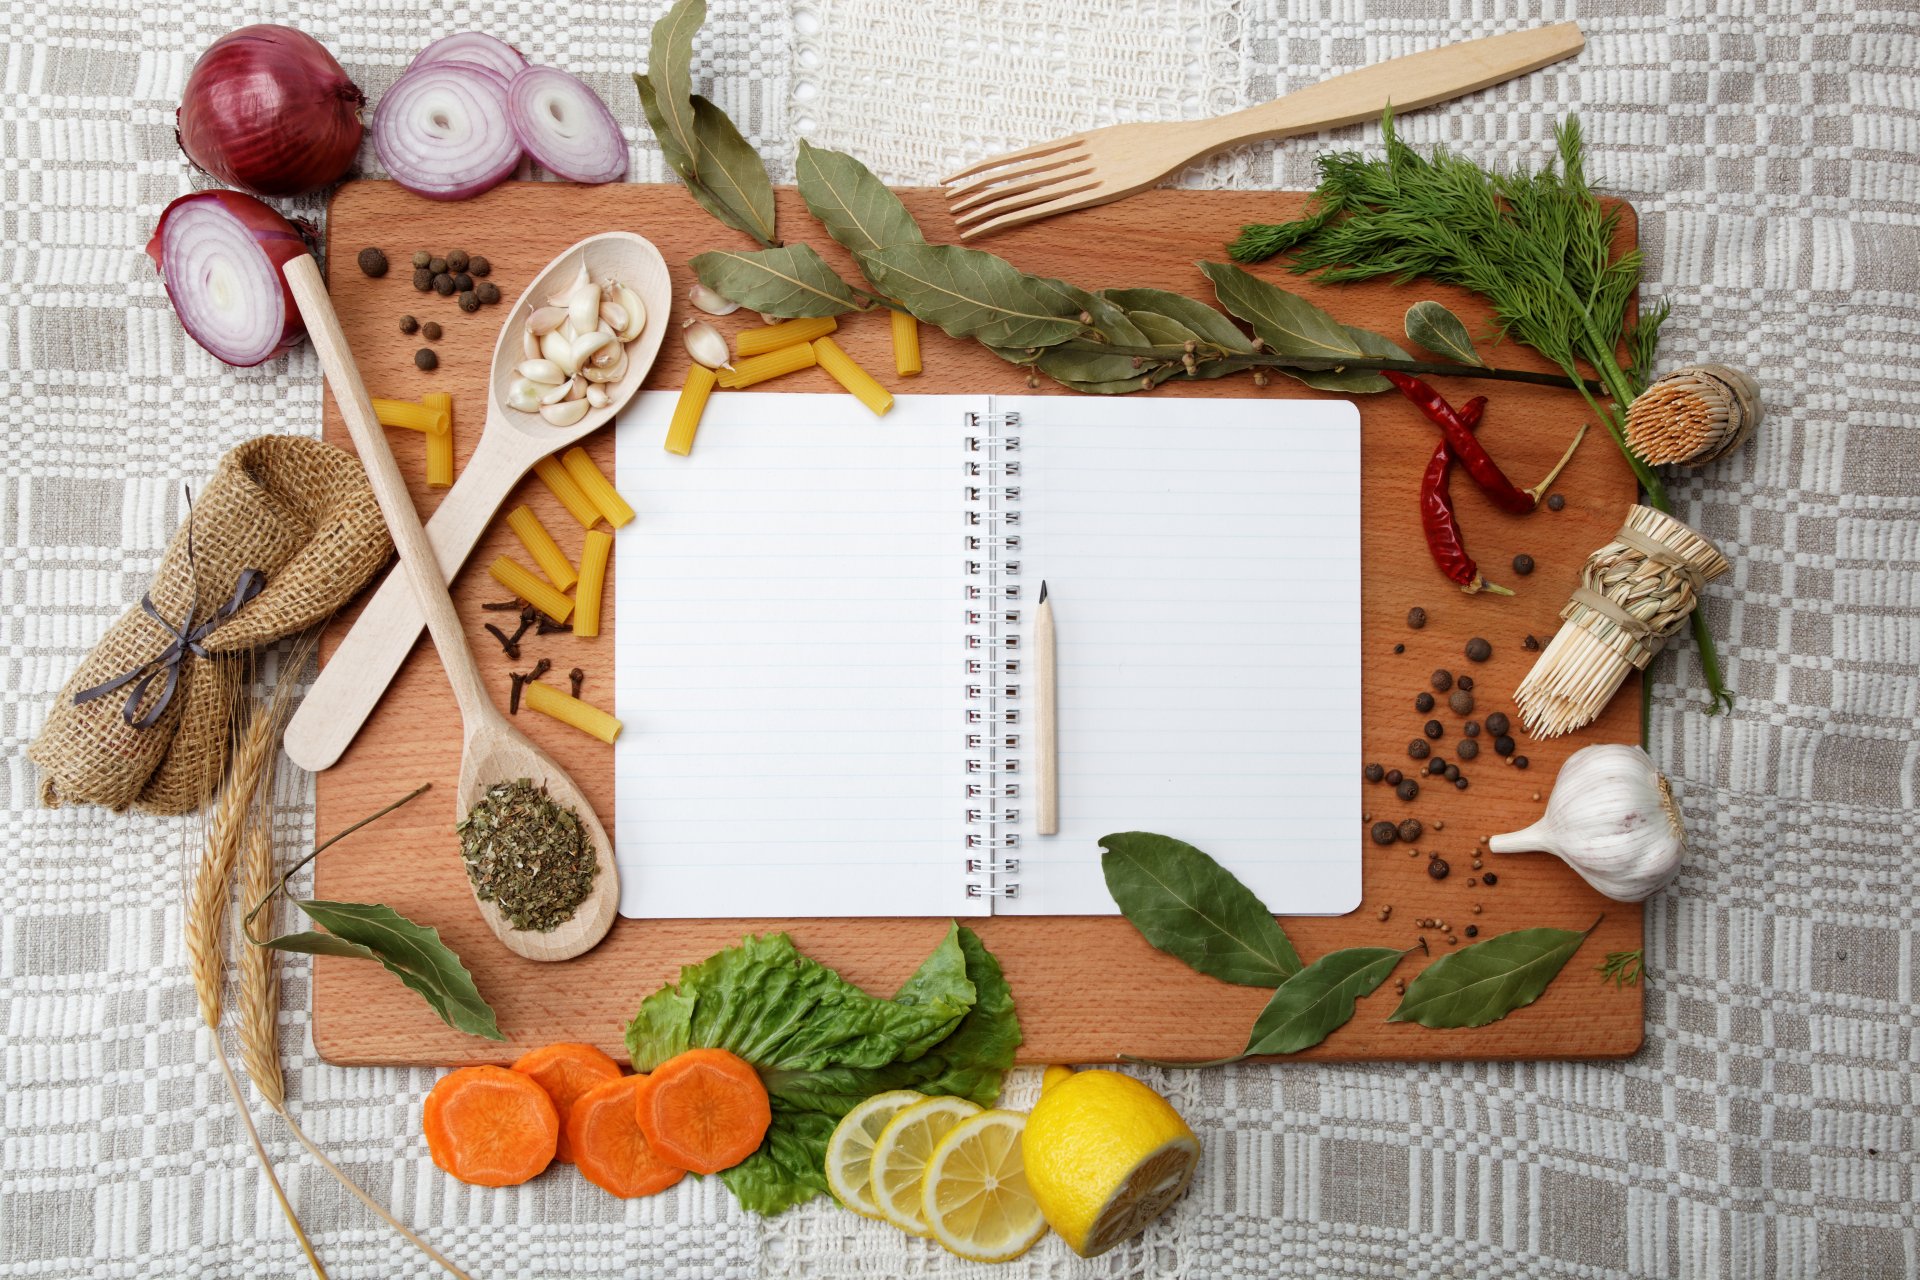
{"x": 1046, "y": 734}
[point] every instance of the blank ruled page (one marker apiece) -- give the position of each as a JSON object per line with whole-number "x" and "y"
{"x": 789, "y": 659}
{"x": 1203, "y": 560}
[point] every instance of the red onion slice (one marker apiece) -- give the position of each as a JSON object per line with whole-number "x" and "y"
{"x": 477, "y": 47}
{"x": 220, "y": 254}
{"x": 563, "y": 124}
{"x": 442, "y": 131}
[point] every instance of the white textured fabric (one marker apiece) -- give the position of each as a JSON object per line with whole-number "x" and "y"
{"x": 1768, "y": 1129}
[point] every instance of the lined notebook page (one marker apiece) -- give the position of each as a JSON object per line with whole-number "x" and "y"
{"x": 1204, "y": 566}
{"x": 789, "y": 660}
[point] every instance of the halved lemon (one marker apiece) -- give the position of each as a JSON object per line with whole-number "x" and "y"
{"x": 900, "y": 1156}
{"x": 975, "y": 1197}
{"x": 850, "y": 1149}
{"x": 1105, "y": 1155}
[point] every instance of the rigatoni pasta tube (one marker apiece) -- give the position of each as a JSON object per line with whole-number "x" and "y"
{"x": 414, "y": 417}
{"x": 757, "y": 342}
{"x": 583, "y": 716}
{"x": 906, "y": 344}
{"x": 597, "y": 487}
{"x": 571, "y": 495}
{"x": 851, "y": 376}
{"x": 593, "y": 582}
{"x": 688, "y": 408}
{"x": 440, "y": 443}
{"x": 520, "y": 580}
{"x": 540, "y": 545}
{"x": 774, "y": 364}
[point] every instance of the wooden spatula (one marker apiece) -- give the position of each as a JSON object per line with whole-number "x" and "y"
{"x": 494, "y": 750}
{"x": 1099, "y": 165}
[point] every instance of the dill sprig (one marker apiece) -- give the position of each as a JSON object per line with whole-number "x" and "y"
{"x": 1622, "y": 968}
{"x": 1537, "y": 245}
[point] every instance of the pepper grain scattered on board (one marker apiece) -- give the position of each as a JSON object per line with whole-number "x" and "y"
{"x": 1423, "y": 703}
{"x": 1408, "y": 789}
{"x": 1418, "y": 748}
{"x": 1466, "y": 748}
{"x": 1410, "y": 829}
{"x": 425, "y": 359}
{"x": 1433, "y": 728}
{"x": 1374, "y": 772}
{"x": 1555, "y": 501}
{"x": 423, "y": 280}
{"x": 421, "y": 258}
{"x": 373, "y": 262}
{"x": 479, "y": 266}
{"x": 1442, "y": 680}
{"x": 457, "y": 260}
{"x": 1478, "y": 650}
{"x": 1461, "y": 701}
{"x": 1438, "y": 868}
{"x": 1384, "y": 833}
{"x": 1393, "y": 777}
{"x": 1523, "y": 564}
{"x": 431, "y": 331}
{"x": 488, "y": 291}
{"x": 1416, "y": 618}
{"x": 409, "y": 325}
{"x": 1498, "y": 724}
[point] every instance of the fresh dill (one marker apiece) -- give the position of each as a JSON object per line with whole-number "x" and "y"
{"x": 1622, "y": 968}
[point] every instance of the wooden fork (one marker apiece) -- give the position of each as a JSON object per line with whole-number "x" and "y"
{"x": 1105, "y": 164}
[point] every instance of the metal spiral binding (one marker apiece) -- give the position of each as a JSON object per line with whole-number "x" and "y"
{"x": 991, "y": 542}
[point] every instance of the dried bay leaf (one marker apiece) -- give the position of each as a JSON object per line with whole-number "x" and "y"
{"x": 1318, "y": 1000}
{"x": 970, "y": 293}
{"x": 410, "y": 952}
{"x": 855, "y": 207}
{"x": 1192, "y": 908}
{"x": 1353, "y": 381}
{"x": 1286, "y": 322}
{"x": 670, "y": 70}
{"x": 1431, "y": 325}
{"x": 682, "y": 164}
{"x": 1485, "y": 982}
{"x": 790, "y": 281}
{"x": 728, "y": 166}
{"x": 1205, "y": 323}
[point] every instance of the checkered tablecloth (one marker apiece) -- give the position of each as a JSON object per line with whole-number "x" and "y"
{"x": 1768, "y": 1129}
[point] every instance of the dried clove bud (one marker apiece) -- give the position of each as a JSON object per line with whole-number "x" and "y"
{"x": 501, "y": 606}
{"x": 576, "y": 678}
{"x": 510, "y": 645}
{"x": 513, "y": 697}
{"x": 540, "y": 668}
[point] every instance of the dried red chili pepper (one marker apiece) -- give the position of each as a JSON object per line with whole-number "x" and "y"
{"x": 1479, "y": 463}
{"x": 1437, "y": 519}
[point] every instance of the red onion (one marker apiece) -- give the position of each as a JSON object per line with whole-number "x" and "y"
{"x": 220, "y": 254}
{"x": 476, "y": 47}
{"x": 442, "y": 131}
{"x": 268, "y": 110}
{"x": 565, "y": 126}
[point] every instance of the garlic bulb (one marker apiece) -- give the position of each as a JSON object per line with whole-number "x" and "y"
{"x": 1611, "y": 818}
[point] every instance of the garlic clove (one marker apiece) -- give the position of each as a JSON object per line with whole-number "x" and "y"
{"x": 589, "y": 344}
{"x": 544, "y": 372}
{"x": 583, "y": 311}
{"x": 566, "y": 413}
{"x": 608, "y": 373}
{"x": 636, "y": 310}
{"x": 555, "y": 394}
{"x": 565, "y": 296}
{"x": 545, "y": 320}
{"x": 707, "y": 345}
{"x": 529, "y": 345}
{"x": 711, "y": 302}
{"x": 1612, "y": 818}
{"x": 598, "y": 396}
{"x": 613, "y": 316}
{"x": 557, "y": 348}
{"x": 524, "y": 395}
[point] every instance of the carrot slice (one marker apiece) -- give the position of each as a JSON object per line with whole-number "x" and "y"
{"x": 608, "y": 1146}
{"x": 704, "y": 1109}
{"x": 566, "y": 1071}
{"x": 490, "y": 1126}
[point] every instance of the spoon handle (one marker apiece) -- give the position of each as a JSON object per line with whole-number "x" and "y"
{"x": 417, "y": 559}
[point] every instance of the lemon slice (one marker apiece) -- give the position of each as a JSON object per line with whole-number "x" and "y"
{"x": 900, "y": 1156}
{"x": 1105, "y": 1155}
{"x": 850, "y": 1149}
{"x": 975, "y": 1197}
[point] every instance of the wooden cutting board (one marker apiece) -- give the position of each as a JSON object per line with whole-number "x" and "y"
{"x": 1088, "y": 988}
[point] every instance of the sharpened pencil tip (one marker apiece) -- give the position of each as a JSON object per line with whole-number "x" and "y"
{"x": 1043, "y": 590}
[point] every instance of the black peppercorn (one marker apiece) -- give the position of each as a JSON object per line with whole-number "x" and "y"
{"x": 1478, "y": 650}
{"x": 409, "y": 325}
{"x": 1472, "y": 931}
{"x": 430, "y": 331}
{"x": 1418, "y": 749}
{"x": 1461, "y": 701}
{"x": 1416, "y": 618}
{"x": 462, "y": 282}
{"x": 1410, "y": 829}
{"x": 1433, "y": 728}
{"x": 457, "y": 260}
{"x": 1555, "y": 502}
{"x": 469, "y": 301}
{"x": 1399, "y": 648}
{"x": 1384, "y": 833}
{"x": 373, "y": 262}
{"x": 1438, "y": 868}
{"x": 1393, "y": 777}
{"x": 1530, "y": 644}
{"x": 1466, "y": 748}
{"x": 443, "y": 285}
{"x": 1464, "y": 682}
{"x": 1442, "y": 680}
{"x": 1489, "y": 878}
{"x": 1471, "y": 728}
{"x": 1407, "y": 789}
{"x": 425, "y": 359}
{"x": 1519, "y": 762}
{"x": 1452, "y": 772}
{"x": 1502, "y": 745}
{"x": 421, "y": 258}
{"x": 479, "y": 266}
{"x": 1423, "y": 702}
{"x": 1374, "y": 773}
{"x": 489, "y": 292}
{"x": 437, "y": 265}
{"x": 423, "y": 280}
{"x": 1460, "y": 784}
{"x": 1497, "y": 723}
{"x": 1436, "y": 765}
{"x": 1523, "y": 564}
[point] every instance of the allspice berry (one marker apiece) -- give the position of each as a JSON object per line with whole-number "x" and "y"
{"x": 423, "y": 279}
{"x": 409, "y": 325}
{"x": 1408, "y": 789}
{"x": 430, "y": 331}
{"x": 425, "y": 359}
{"x": 479, "y": 266}
{"x": 437, "y": 265}
{"x": 1416, "y": 618}
{"x": 462, "y": 282}
{"x": 1478, "y": 650}
{"x": 469, "y": 301}
{"x": 1410, "y": 829}
{"x": 1442, "y": 680}
{"x": 457, "y": 260}
{"x": 489, "y": 291}
{"x": 1384, "y": 833}
{"x": 373, "y": 262}
{"x": 1461, "y": 701}
{"x": 421, "y": 258}
{"x": 1438, "y": 868}
{"x": 443, "y": 285}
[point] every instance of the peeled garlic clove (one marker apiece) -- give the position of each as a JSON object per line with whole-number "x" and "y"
{"x": 545, "y": 320}
{"x": 529, "y": 345}
{"x": 555, "y": 394}
{"x": 598, "y": 396}
{"x": 712, "y": 303}
{"x": 609, "y": 373}
{"x": 544, "y": 372}
{"x": 608, "y": 356}
{"x": 1611, "y": 818}
{"x": 557, "y": 348}
{"x": 707, "y": 345}
{"x": 566, "y": 413}
{"x": 587, "y": 345}
{"x": 583, "y": 309}
{"x": 612, "y": 313}
{"x": 565, "y": 296}
{"x": 636, "y": 310}
{"x": 524, "y": 395}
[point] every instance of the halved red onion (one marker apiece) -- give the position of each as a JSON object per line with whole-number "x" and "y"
{"x": 477, "y": 47}
{"x": 563, "y": 124}
{"x": 442, "y": 130}
{"x": 220, "y": 255}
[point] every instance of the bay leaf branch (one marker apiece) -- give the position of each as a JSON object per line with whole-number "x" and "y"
{"x": 970, "y": 293}
{"x": 793, "y": 280}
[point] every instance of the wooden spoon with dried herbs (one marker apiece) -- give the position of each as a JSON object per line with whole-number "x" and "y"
{"x": 524, "y": 819}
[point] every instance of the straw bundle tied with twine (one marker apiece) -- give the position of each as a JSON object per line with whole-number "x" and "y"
{"x": 1634, "y": 592}
{"x": 1693, "y": 415}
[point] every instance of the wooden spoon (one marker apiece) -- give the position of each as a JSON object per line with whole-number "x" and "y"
{"x": 370, "y": 654}
{"x": 494, "y": 751}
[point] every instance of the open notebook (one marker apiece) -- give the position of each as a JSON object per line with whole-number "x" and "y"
{"x": 820, "y": 656}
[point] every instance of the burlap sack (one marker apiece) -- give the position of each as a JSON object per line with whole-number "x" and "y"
{"x": 298, "y": 511}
